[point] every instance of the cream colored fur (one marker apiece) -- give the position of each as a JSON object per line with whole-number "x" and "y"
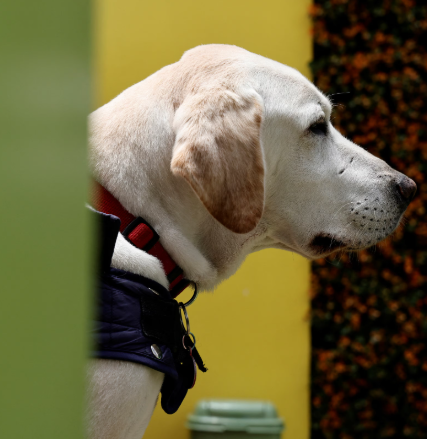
{"x": 129, "y": 258}
{"x": 218, "y": 152}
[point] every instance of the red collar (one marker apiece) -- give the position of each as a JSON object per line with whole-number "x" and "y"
{"x": 141, "y": 235}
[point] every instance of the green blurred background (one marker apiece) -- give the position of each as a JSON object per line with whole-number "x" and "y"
{"x": 45, "y": 98}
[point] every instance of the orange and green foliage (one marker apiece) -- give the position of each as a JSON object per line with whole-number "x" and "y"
{"x": 369, "y": 327}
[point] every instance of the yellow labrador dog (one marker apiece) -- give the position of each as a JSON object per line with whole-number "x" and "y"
{"x": 226, "y": 153}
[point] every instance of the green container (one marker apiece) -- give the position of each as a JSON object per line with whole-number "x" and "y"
{"x": 233, "y": 419}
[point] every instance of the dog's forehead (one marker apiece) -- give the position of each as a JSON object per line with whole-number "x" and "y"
{"x": 285, "y": 86}
{"x": 303, "y": 94}
{"x": 300, "y": 102}
{"x": 307, "y": 99}
{"x": 314, "y": 108}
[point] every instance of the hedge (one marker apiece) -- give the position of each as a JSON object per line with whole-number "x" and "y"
{"x": 369, "y": 325}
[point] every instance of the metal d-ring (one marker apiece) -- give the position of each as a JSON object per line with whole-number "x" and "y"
{"x": 194, "y": 297}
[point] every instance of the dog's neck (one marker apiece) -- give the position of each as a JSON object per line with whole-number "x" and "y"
{"x": 185, "y": 228}
{"x": 141, "y": 235}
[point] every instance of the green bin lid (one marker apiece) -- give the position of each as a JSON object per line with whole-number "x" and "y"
{"x": 221, "y": 415}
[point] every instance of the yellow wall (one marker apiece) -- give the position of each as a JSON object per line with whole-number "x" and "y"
{"x": 253, "y": 332}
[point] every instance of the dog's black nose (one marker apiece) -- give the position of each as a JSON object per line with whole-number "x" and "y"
{"x": 407, "y": 188}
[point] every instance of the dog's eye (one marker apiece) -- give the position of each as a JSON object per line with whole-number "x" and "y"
{"x": 319, "y": 128}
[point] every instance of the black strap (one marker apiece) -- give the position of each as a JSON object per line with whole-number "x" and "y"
{"x": 160, "y": 320}
{"x": 198, "y": 360}
{"x": 108, "y": 227}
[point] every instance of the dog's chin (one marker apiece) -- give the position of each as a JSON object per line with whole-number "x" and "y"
{"x": 324, "y": 244}
{"x": 320, "y": 246}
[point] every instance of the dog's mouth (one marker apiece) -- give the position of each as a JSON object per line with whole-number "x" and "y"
{"x": 324, "y": 244}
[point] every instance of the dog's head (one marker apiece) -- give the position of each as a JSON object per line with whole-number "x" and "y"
{"x": 257, "y": 146}
{"x": 226, "y": 152}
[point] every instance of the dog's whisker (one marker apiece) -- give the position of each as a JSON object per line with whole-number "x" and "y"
{"x": 342, "y": 207}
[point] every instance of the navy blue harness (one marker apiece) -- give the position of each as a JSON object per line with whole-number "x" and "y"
{"x": 139, "y": 321}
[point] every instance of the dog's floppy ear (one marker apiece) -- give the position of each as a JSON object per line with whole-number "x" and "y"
{"x": 217, "y": 150}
